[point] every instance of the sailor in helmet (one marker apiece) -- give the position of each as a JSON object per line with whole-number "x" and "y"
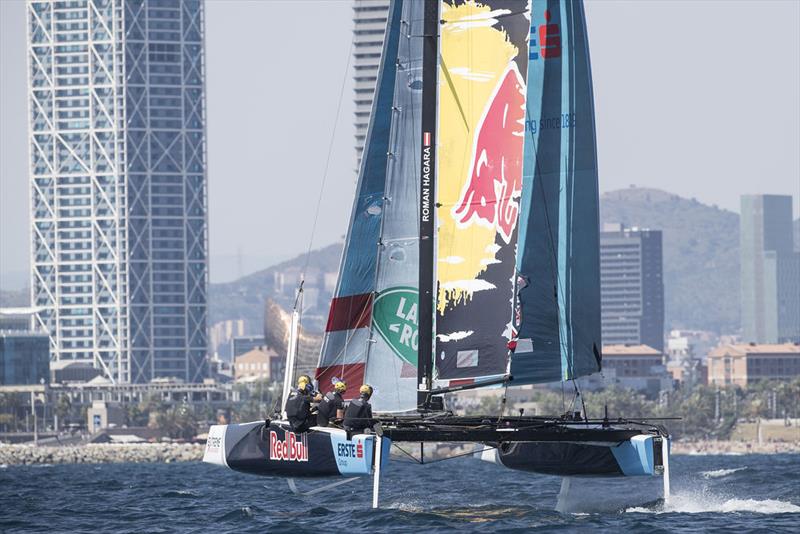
{"x": 358, "y": 415}
{"x": 331, "y": 406}
{"x": 298, "y": 405}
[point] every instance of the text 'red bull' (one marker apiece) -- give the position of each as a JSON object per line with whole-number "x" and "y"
{"x": 292, "y": 448}
{"x": 491, "y": 196}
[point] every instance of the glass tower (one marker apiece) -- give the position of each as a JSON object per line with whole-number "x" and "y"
{"x": 118, "y": 184}
{"x": 632, "y": 287}
{"x": 770, "y": 270}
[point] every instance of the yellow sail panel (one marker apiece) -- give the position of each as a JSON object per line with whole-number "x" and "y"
{"x": 483, "y": 64}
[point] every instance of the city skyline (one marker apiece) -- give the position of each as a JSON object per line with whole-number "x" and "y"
{"x": 674, "y": 134}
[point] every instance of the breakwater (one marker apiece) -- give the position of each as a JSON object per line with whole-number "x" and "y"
{"x": 101, "y": 453}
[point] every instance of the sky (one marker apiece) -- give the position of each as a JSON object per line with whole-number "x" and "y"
{"x": 700, "y": 98}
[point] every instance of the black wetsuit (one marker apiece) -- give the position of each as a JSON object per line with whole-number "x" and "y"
{"x": 298, "y": 411}
{"x": 326, "y": 411}
{"x": 358, "y": 415}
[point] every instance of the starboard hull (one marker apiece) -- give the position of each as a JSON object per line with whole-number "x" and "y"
{"x": 639, "y": 456}
{"x": 275, "y": 450}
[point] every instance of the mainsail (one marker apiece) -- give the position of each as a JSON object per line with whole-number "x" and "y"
{"x": 482, "y": 71}
{"x": 558, "y": 282}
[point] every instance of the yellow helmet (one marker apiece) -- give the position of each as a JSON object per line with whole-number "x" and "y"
{"x": 366, "y": 389}
{"x": 340, "y": 386}
{"x": 303, "y": 381}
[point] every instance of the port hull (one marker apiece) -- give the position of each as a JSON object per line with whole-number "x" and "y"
{"x": 274, "y": 450}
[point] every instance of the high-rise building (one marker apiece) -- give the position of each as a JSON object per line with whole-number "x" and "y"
{"x": 369, "y": 26}
{"x": 770, "y": 270}
{"x": 631, "y": 287}
{"x": 118, "y": 184}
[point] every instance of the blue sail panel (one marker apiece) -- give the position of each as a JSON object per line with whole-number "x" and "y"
{"x": 558, "y": 266}
{"x": 345, "y": 345}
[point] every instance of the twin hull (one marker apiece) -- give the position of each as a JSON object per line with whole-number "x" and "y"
{"x": 275, "y": 450}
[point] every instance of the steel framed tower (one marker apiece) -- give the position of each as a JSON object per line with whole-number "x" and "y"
{"x": 118, "y": 184}
{"x": 369, "y": 27}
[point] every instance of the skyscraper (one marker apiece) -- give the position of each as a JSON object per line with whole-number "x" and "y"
{"x": 118, "y": 184}
{"x": 631, "y": 287}
{"x": 369, "y": 26}
{"x": 770, "y": 270}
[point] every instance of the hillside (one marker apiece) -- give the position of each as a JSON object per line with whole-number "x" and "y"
{"x": 701, "y": 254}
{"x": 245, "y": 298}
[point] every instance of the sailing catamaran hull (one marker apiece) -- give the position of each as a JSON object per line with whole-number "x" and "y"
{"x": 275, "y": 450}
{"x": 639, "y": 456}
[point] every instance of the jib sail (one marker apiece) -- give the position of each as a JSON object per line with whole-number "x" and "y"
{"x": 558, "y": 281}
{"x": 347, "y": 333}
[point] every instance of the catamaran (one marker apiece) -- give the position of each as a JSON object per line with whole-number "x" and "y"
{"x": 472, "y": 254}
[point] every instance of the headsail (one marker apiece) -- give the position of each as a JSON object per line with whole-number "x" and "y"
{"x": 392, "y": 355}
{"x": 558, "y": 282}
{"x": 347, "y": 333}
{"x": 482, "y": 71}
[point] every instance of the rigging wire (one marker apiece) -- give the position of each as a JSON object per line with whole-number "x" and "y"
{"x": 327, "y": 161}
{"x": 298, "y": 298}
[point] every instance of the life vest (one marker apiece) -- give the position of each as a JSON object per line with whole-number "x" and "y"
{"x": 358, "y": 415}
{"x": 326, "y": 410}
{"x": 298, "y": 409}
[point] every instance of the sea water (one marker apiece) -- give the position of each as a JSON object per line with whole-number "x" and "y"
{"x": 734, "y": 493}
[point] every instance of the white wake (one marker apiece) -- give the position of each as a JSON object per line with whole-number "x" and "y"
{"x": 701, "y": 502}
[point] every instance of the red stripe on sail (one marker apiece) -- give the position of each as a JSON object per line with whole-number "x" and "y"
{"x": 349, "y": 313}
{"x": 351, "y": 373}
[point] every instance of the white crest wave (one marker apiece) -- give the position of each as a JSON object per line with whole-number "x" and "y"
{"x": 719, "y": 473}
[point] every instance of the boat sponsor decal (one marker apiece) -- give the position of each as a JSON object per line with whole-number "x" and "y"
{"x": 213, "y": 443}
{"x": 395, "y": 316}
{"x": 292, "y": 448}
{"x": 548, "y": 45}
{"x": 482, "y": 92}
{"x": 353, "y": 456}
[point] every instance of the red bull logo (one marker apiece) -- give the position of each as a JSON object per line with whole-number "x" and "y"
{"x": 491, "y": 196}
{"x": 291, "y": 449}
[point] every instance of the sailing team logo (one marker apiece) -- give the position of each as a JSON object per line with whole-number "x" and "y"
{"x": 291, "y": 448}
{"x": 549, "y": 39}
{"x": 394, "y": 313}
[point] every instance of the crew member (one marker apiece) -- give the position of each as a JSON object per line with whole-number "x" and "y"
{"x": 332, "y": 405}
{"x": 358, "y": 415}
{"x": 298, "y": 405}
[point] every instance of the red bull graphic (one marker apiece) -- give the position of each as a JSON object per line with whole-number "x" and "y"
{"x": 480, "y": 140}
{"x": 292, "y": 448}
{"x": 491, "y": 196}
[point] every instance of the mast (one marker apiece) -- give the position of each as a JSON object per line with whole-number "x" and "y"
{"x": 426, "y": 209}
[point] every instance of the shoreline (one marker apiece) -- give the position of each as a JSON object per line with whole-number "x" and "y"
{"x": 26, "y": 454}
{"x": 101, "y": 453}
